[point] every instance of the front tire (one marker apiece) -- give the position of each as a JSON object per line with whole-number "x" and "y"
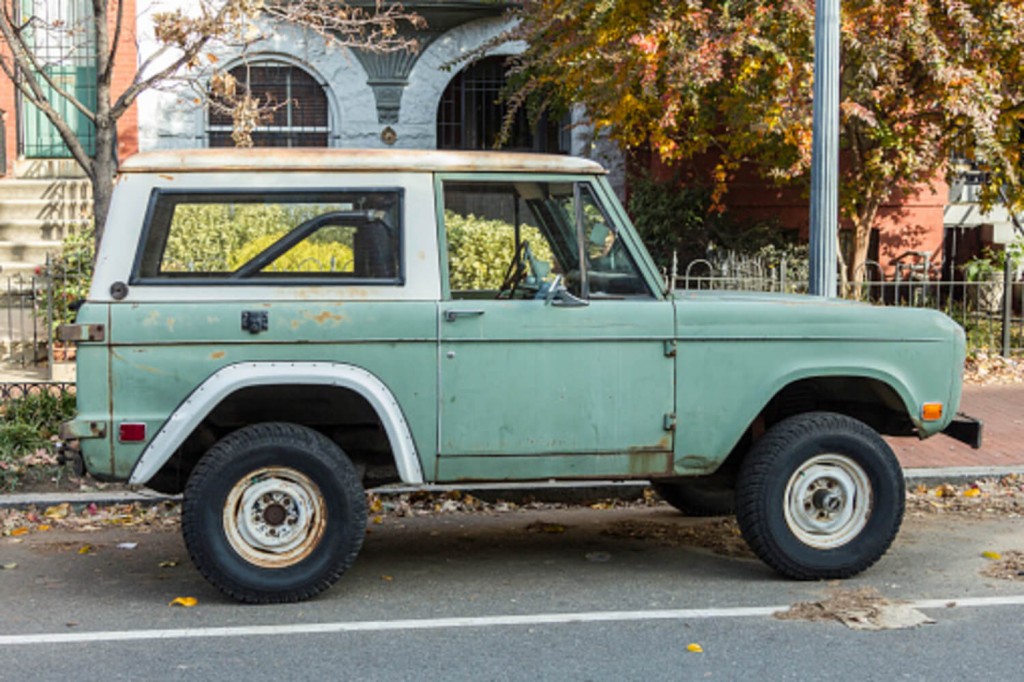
{"x": 273, "y": 513}
{"x": 821, "y": 496}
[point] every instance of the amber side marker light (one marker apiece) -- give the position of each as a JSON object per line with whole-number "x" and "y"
{"x": 131, "y": 433}
{"x": 931, "y": 412}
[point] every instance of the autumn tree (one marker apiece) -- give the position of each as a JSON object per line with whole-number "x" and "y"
{"x": 921, "y": 81}
{"x": 187, "y": 38}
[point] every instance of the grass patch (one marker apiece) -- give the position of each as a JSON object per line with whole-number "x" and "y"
{"x": 28, "y": 431}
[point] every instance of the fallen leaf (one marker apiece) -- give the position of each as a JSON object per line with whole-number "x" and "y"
{"x": 376, "y": 505}
{"x": 387, "y": 578}
{"x": 85, "y": 549}
{"x": 19, "y": 531}
{"x": 187, "y": 602}
{"x": 59, "y": 511}
{"x": 972, "y": 492}
{"x": 43, "y": 527}
{"x": 9, "y": 567}
{"x": 378, "y": 519}
{"x": 170, "y": 563}
{"x": 994, "y": 556}
{"x": 695, "y": 648}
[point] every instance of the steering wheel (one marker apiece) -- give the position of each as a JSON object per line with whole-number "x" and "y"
{"x": 515, "y": 272}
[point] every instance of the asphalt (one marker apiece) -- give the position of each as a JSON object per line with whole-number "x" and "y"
{"x": 930, "y": 462}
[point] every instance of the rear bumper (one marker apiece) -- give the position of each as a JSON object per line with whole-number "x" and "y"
{"x": 965, "y": 429}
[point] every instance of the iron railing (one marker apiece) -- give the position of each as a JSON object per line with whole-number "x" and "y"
{"x": 990, "y": 306}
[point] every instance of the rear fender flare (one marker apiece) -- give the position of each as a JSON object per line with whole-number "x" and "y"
{"x": 221, "y": 384}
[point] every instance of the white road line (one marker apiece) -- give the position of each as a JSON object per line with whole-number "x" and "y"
{"x": 441, "y": 623}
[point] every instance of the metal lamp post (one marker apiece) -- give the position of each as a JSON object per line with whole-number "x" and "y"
{"x": 824, "y": 225}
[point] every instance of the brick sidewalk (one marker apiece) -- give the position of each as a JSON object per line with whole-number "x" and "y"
{"x": 1001, "y": 408}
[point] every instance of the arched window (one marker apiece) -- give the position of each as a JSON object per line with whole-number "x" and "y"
{"x": 471, "y": 114}
{"x": 299, "y": 116}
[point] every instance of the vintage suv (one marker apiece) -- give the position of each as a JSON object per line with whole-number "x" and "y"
{"x": 270, "y": 331}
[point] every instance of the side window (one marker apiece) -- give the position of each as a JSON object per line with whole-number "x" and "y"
{"x": 499, "y": 244}
{"x": 248, "y": 237}
{"x": 611, "y": 270}
{"x": 516, "y": 240}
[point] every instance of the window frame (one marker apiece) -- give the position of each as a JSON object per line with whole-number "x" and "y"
{"x": 225, "y": 279}
{"x": 613, "y": 214}
{"x": 286, "y": 132}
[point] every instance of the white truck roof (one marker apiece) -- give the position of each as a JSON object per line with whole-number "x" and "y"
{"x": 314, "y": 159}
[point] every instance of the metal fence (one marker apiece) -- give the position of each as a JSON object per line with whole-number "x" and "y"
{"x": 24, "y": 322}
{"x": 990, "y": 306}
{"x": 31, "y": 307}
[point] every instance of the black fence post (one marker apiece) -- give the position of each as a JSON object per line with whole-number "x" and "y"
{"x": 1007, "y": 303}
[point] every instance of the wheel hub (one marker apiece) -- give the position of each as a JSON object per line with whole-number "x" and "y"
{"x": 828, "y": 501}
{"x": 274, "y": 517}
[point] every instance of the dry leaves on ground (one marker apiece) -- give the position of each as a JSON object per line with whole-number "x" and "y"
{"x": 19, "y": 523}
{"x": 721, "y": 536}
{"x": 861, "y": 609}
{"x": 425, "y": 503}
{"x": 986, "y": 497}
{"x": 984, "y": 368}
{"x": 1008, "y": 566}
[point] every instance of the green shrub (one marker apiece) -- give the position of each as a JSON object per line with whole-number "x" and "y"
{"x": 307, "y": 256}
{"x": 672, "y": 218}
{"x": 480, "y": 250}
{"x": 206, "y": 237}
{"x": 70, "y": 273}
{"x": 26, "y": 430}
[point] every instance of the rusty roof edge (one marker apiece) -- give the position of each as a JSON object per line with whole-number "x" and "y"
{"x": 310, "y": 159}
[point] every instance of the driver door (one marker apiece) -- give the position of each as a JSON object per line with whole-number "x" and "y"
{"x": 554, "y": 352}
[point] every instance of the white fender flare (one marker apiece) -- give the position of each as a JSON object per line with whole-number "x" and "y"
{"x": 229, "y": 379}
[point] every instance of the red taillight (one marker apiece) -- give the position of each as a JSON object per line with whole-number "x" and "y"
{"x": 131, "y": 433}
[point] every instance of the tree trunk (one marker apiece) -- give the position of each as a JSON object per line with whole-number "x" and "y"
{"x": 104, "y": 169}
{"x": 102, "y": 190}
{"x": 862, "y": 224}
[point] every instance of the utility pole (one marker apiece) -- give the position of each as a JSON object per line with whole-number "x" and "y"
{"x": 824, "y": 224}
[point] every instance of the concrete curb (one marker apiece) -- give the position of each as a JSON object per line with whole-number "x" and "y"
{"x": 575, "y": 492}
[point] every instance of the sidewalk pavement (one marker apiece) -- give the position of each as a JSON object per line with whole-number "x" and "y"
{"x": 939, "y": 459}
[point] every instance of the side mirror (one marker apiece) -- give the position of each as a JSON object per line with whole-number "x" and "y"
{"x": 557, "y": 295}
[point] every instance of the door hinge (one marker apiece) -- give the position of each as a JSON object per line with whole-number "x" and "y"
{"x": 670, "y": 421}
{"x": 670, "y": 348}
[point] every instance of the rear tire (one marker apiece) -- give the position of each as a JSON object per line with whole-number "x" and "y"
{"x": 820, "y": 496}
{"x": 273, "y": 513}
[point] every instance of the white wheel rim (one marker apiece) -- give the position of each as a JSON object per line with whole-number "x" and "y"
{"x": 274, "y": 517}
{"x": 828, "y": 501}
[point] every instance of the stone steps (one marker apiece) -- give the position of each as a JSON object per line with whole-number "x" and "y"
{"x": 36, "y": 213}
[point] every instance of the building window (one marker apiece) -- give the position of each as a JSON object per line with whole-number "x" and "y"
{"x": 471, "y": 114}
{"x": 297, "y": 108}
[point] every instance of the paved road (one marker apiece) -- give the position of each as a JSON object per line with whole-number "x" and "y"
{"x": 518, "y": 596}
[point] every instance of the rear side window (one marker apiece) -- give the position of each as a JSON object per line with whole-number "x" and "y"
{"x": 250, "y": 237}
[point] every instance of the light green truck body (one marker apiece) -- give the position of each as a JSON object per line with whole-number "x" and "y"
{"x": 272, "y": 331}
{"x": 634, "y": 387}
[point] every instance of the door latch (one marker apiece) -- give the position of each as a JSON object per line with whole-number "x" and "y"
{"x": 255, "y": 321}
